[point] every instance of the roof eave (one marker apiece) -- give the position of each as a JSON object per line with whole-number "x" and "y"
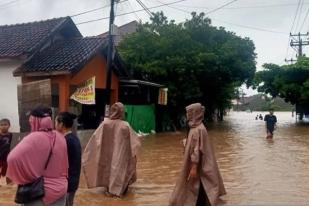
{"x": 40, "y": 73}
{"x": 10, "y": 58}
{"x": 140, "y": 82}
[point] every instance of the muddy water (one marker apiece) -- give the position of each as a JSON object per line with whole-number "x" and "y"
{"x": 256, "y": 171}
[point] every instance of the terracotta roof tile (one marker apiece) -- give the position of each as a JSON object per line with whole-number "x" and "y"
{"x": 65, "y": 55}
{"x": 20, "y": 39}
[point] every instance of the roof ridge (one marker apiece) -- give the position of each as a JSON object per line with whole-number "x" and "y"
{"x": 84, "y": 38}
{"x": 134, "y": 21}
{"x": 34, "y": 22}
{"x": 60, "y": 23}
{"x": 94, "y": 37}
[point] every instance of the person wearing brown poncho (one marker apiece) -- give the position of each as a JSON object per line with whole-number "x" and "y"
{"x": 109, "y": 159}
{"x": 200, "y": 182}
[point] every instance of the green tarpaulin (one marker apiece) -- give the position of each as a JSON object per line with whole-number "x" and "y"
{"x": 141, "y": 117}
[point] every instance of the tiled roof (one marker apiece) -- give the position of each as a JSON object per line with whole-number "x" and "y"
{"x": 21, "y": 39}
{"x": 68, "y": 56}
{"x": 65, "y": 55}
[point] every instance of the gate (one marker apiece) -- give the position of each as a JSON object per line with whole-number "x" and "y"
{"x": 31, "y": 95}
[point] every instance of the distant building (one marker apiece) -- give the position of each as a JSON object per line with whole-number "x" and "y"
{"x": 123, "y": 31}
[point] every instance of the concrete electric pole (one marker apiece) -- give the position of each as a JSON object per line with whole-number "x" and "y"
{"x": 110, "y": 57}
{"x": 297, "y": 43}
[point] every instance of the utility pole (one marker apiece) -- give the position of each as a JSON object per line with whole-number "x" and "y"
{"x": 297, "y": 43}
{"x": 291, "y": 61}
{"x": 110, "y": 58}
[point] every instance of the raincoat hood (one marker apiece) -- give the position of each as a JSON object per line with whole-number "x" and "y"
{"x": 117, "y": 111}
{"x": 195, "y": 114}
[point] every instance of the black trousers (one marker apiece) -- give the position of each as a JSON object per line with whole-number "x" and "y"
{"x": 202, "y": 199}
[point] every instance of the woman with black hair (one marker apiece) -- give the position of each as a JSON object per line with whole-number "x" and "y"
{"x": 64, "y": 123}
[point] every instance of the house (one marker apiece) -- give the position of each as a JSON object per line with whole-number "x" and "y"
{"x": 50, "y": 59}
{"x": 17, "y": 43}
{"x": 122, "y": 31}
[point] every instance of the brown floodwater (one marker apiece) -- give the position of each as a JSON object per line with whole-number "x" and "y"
{"x": 256, "y": 171}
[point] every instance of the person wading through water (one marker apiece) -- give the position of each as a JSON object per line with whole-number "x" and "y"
{"x": 200, "y": 182}
{"x": 270, "y": 120}
{"x": 109, "y": 159}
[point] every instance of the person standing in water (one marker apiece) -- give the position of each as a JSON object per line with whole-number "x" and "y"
{"x": 270, "y": 120}
{"x": 200, "y": 182}
{"x": 109, "y": 159}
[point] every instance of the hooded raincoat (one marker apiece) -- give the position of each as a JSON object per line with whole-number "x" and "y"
{"x": 109, "y": 159}
{"x": 198, "y": 150}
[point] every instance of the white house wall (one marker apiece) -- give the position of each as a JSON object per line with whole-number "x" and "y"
{"x": 8, "y": 91}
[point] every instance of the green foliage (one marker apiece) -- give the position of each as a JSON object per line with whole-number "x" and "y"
{"x": 290, "y": 82}
{"x": 195, "y": 60}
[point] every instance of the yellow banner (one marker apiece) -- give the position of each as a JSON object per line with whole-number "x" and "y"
{"x": 85, "y": 94}
{"x": 163, "y": 96}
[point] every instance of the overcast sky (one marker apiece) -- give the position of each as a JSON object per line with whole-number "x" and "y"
{"x": 267, "y": 23}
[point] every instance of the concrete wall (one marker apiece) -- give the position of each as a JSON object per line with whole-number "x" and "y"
{"x": 8, "y": 91}
{"x": 84, "y": 136}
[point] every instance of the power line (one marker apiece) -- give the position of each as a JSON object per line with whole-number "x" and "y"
{"x": 11, "y": 3}
{"x": 244, "y": 7}
{"x": 306, "y": 16}
{"x": 295, "y": 16}
{"x": 104, "y": 18}
{"x": 89, "y": 11}
{"x": 293, "y": 23}
{"x": 238, "y": 25}
{"x": 137, "y": 17}
{"x": 220, "y": 7}
{"x": 92, "y": 10}
{"x": 252, "y": 27}
{"x": 144, "y": 7}
{"x": 168, "y": 4}
{"x": 300, "y": 12}
{"x": 4, "y": 1}
{"x": 287, "y": 49}
{"x": 8, "y": 3}
{"x": 182, "y": 10}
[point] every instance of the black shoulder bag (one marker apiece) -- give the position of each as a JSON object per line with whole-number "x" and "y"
{"x": 34, "y": 190}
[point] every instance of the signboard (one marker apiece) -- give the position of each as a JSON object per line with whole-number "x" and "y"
{"x": 163, "y": 96}
{"x": 85, "y": 94}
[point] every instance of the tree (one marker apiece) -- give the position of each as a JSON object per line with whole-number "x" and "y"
{"x": 195, "y": 60}
{"x": 290, "y": 82}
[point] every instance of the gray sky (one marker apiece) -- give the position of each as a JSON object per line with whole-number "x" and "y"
{"x": 247, "y": 18}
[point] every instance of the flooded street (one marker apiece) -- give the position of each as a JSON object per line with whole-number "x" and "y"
{"x": 255, "y": 171}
